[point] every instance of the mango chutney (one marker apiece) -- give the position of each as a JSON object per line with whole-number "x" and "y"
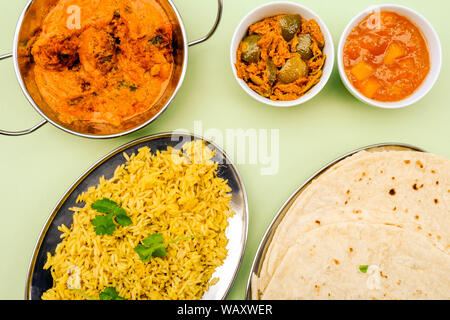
{"x": 386, "y": 57}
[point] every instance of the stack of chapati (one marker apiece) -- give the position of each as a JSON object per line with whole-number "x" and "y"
{"x": 374, "y": 226}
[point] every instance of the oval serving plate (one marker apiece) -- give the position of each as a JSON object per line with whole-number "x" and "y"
{"x": 267, "y": 238}
{"x": 40, "y": 280}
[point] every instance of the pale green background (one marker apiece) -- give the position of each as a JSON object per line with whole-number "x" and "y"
{"x": 35, "y": 170}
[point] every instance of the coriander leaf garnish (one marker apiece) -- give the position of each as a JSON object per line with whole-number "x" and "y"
{"x": 122, "y": 218}
{"x": 104, "y": 205}
{"x": 154, "y": 246}
{"x": 105, "y": 224}
{"x": 363, "y": 268}
{"x": 110, "y": 293}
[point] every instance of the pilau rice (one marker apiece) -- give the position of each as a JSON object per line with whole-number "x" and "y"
{"x": 174, "y": 193}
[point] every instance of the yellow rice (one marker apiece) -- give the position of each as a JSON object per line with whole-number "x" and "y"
{"x": 174, "y": 193}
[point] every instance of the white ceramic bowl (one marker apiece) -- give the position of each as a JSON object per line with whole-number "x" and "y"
{"x": 272, "y": 9}
{"x": 434, "y": 47}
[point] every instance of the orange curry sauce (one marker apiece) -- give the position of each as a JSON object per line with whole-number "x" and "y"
{"x": 113, "y": 66}
{"x": 386, "y": 57}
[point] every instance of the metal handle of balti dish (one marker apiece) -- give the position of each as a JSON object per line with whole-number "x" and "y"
{"x": 23, "y": 132}
{"x": 214, "y": 28}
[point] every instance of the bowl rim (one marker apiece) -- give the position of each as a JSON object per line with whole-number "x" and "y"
{"x": 328, "y": 66}
{"x": 417, "y": 95}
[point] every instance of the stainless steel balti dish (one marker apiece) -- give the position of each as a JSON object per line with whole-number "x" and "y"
{"x": 32, "y": 18}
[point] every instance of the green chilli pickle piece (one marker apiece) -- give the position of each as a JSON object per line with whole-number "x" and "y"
{"x": 304, "y": 46}
{"x": 271, "y": 71}
{"x": 250, "y": 49}
{"x": 290, "y": 25}
{"x": 295, "y": 68}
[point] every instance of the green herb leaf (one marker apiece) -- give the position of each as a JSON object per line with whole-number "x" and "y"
{"x": 146, "y": 253}
{"x": 110, "y": 293}
{"x": 153, "y": 239}
{"x": 104, "y": 205}
{"x": 154, "y": 246}
{"x": 122, "y": 218}
{"x": 363, "y": 268}
{"x": 104, "y": 224}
